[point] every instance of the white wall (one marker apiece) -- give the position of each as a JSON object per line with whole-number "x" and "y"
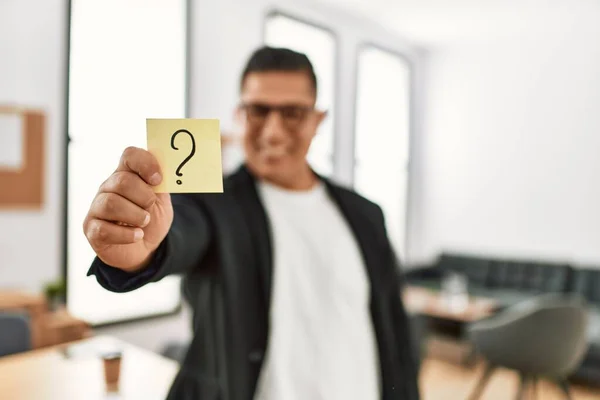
{"x": 510, "y": 151}
{"x": 32, "y": 74}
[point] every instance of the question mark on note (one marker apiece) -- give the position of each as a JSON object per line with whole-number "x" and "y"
{"x": 178, "y": 171}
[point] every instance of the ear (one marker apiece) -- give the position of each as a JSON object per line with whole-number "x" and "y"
{"x": 321, "y": 115}
{"x": 319, "y": 118}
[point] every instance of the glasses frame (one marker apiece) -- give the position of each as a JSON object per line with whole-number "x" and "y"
{"x": 280, "y": 109}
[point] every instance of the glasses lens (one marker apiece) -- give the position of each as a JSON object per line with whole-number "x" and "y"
{"x": 294, "y": 116}
{"x": 256, "y": 113}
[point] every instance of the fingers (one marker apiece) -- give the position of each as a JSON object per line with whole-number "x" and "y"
{"x": 115, "y": 208}
{"x": 142, "y": 163}
{"x": 130, "y": 186}
{"x": 102, "y": 233}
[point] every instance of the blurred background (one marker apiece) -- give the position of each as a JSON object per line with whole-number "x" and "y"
{"x": 474, "y": 124}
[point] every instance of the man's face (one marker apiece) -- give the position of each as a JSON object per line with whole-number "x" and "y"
{"x": 279, "y": 120}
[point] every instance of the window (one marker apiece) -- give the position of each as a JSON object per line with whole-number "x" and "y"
{"x": 382, "y": 136}
{"x": 119, "y": 74}
{"x": 319, "y": 45}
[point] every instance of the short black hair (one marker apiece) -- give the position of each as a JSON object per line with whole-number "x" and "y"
{"x": 269, "y": 59}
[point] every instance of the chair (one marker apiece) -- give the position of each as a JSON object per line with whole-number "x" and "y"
{"x": 15, "y": 333}
{"x": 544, "y": 337}
{"x": 586, "y": 283}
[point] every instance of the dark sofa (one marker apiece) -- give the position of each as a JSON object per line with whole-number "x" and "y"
{"x": 506, "y": 281}
{"x": 512, "y": 281}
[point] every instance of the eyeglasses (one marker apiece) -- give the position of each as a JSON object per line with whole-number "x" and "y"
{"x": 293, "y": 116}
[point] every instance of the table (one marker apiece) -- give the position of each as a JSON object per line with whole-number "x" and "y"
{"x": 449, "y": 341}
{"x": 74, "y": 371}
{"x": 59, "y": 326}
{"x": 418, "y": 300}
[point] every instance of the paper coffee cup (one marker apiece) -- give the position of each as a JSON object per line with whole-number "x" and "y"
{"x": 112, "y": 370}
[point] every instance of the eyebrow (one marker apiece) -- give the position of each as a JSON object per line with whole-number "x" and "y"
{"x": 282, "y": 104}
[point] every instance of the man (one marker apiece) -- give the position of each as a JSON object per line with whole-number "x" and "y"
{"x": 292, "y": 279}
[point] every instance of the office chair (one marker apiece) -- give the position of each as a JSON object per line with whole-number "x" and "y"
{"x": 15, "y": 333}
{"x": 544, "y": 337}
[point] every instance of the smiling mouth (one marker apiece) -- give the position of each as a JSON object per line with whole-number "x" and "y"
{"x": 273, "y": 152}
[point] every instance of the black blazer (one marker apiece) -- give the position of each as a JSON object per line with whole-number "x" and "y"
{"x": 222, "y": 246}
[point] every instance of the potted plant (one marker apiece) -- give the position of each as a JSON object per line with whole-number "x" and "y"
{"x": 55, "y": 293}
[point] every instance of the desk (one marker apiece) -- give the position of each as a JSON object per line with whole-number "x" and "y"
{"x": 430, "y": 303}
{"x": 59, "y": 327}
{"x": 48, "y": 328}
{"x": 47, "y": 374}
{"x": 449, "y": 341}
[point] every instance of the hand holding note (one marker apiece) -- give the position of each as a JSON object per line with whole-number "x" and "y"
{"x": 189, "y": 154}
{"x": 132, "y": 212}
{"x": 127, "y": 220}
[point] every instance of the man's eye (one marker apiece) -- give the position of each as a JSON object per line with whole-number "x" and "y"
{"x": 292, "y": 112}
{"x": 258, "y": 111}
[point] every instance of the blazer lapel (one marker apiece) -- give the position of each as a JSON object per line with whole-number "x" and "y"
{"x": 258, "y": 224}
{"x": 362, "y": 229}
{"x": 366, "y": 235}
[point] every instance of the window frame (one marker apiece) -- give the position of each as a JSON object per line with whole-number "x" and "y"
{"x": 371, "y": 44}
{"x": 337, "y": 53}
{"x": 67, "y": 140}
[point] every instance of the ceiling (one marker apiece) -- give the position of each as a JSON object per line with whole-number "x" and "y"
{"x": 431, "y": 22}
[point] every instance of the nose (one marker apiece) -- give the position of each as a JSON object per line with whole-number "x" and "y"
{"x": 273, "y": 130}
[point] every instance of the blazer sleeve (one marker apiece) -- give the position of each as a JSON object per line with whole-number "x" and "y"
{"x": 184, "y": 247}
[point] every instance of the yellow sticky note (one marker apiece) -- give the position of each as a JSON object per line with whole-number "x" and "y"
{"x": 189, "y": 154}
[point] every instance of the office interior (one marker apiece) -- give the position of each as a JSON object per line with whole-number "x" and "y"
{"x": 474, "y": 125}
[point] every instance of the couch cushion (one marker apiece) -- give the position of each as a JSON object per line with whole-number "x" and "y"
{"x": 586, "y": 282}
{"x": 529, "y": 276}
{"x": 433, "y": 284}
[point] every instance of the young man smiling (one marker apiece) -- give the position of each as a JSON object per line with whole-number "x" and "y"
{"x": 292, "y": 279}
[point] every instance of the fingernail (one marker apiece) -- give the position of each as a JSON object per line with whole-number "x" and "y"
{"x": 155, "y": 179}
{"x": 146, "y": 220}
{"x": 138, "y": 234}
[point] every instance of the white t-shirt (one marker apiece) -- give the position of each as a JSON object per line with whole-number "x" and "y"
{"x": 321, "y": 341}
